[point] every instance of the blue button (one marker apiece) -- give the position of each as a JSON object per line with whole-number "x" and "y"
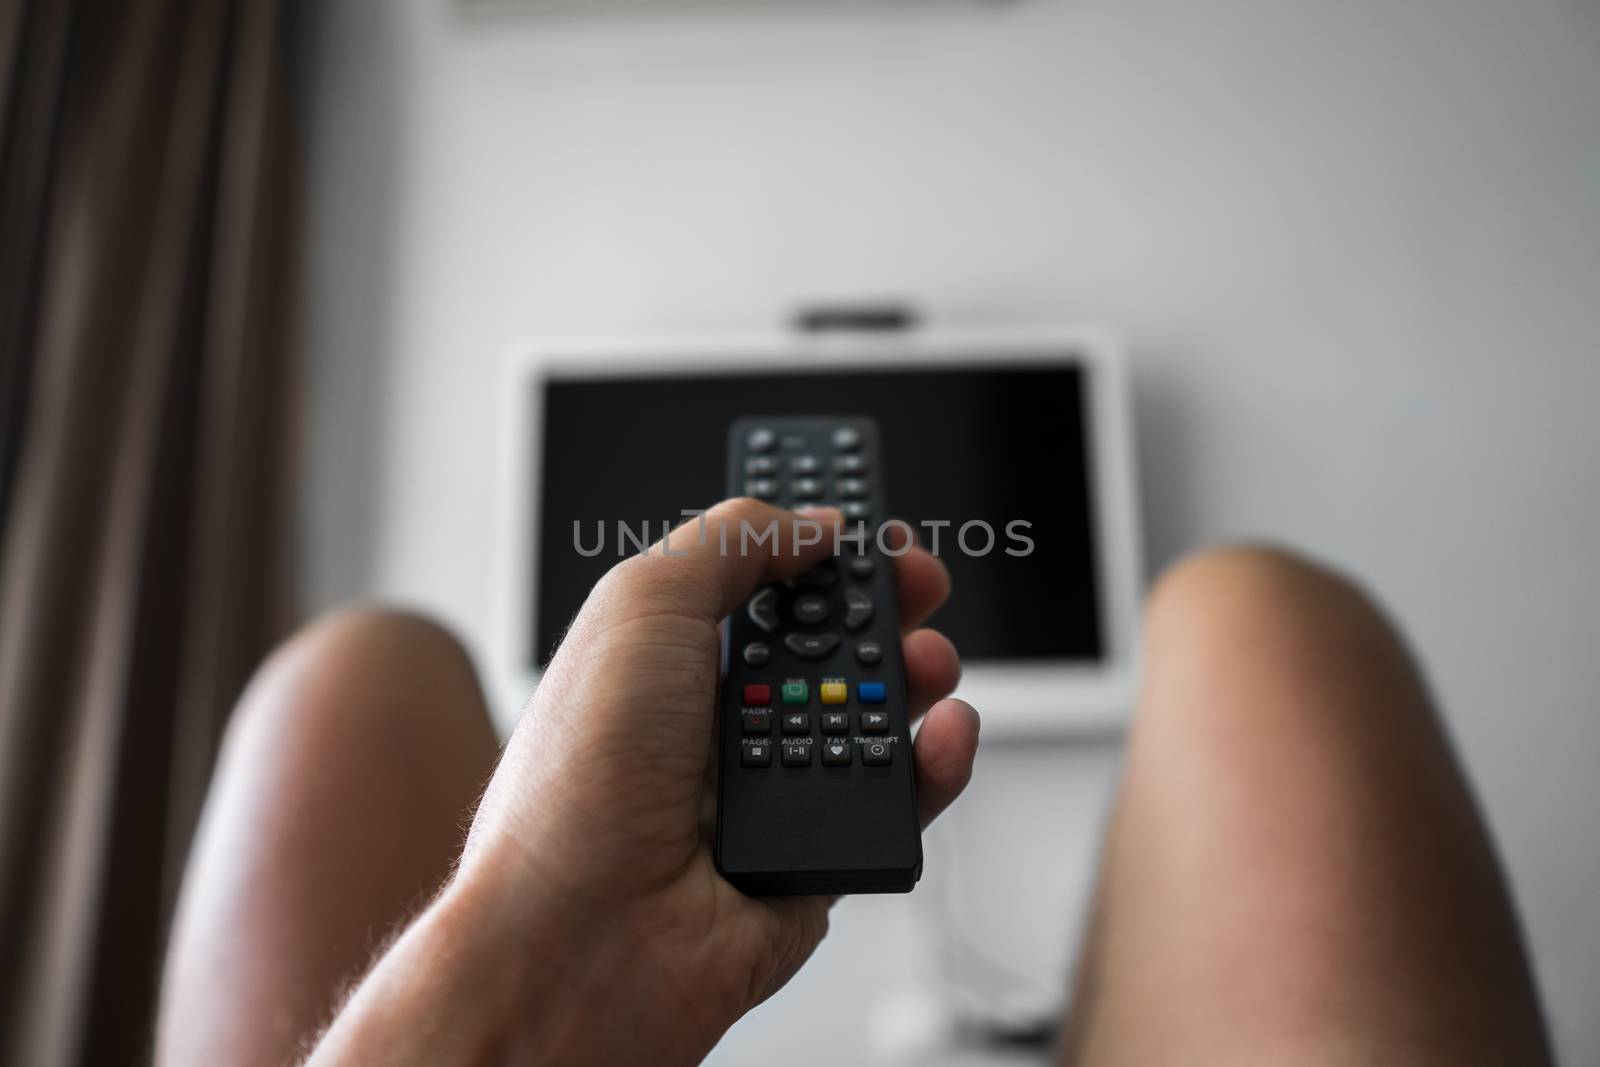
{"x": 870, "y": 692}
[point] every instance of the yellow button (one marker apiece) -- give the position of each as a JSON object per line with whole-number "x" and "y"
{"x": 834, "y": 692}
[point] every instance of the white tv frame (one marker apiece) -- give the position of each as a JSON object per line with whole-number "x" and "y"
{"x": 1022, "y": 700}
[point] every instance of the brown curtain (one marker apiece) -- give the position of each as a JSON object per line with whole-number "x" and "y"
{"x": 145, "y": 249}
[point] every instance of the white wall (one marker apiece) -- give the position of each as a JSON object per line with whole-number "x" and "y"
{"x": 1355, "y": 248}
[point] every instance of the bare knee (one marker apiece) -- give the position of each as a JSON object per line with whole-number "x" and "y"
{"x": 1245, "y": 632}
{"x": 1239, "y": 602}
{"x": 387, "y": 641}
{"x": 364, "y": 672}
{"x": 1290, "y": 805}
{"x": 337, "y": 805}
{"x": 1219, "y": 587}
{"x": 371, "y": 713}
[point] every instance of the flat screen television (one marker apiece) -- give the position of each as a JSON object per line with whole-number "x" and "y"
{"x": 1010, "y": 454}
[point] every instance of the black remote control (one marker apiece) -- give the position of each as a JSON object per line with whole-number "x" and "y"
{"x": 816, "y": 793}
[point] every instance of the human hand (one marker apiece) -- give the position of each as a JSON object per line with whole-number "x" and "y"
{"x": 588, "y": 867}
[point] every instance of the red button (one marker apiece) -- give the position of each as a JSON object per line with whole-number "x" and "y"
{"x": 758, "y": 694}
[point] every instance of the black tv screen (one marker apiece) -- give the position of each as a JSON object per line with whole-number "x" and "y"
{"x": 992, "y": 442}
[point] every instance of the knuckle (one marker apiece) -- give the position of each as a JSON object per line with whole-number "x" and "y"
{"x": 742, "y": 509}
{"x": 646, "y": 586}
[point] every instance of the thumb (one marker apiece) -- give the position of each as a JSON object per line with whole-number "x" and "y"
{"x": 708, "y": 566}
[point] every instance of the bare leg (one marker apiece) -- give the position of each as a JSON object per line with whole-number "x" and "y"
{"x": 1295, "y": 870}
{"x": 339, "y": 805}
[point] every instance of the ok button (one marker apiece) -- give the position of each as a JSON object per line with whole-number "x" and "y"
{"x": 810, "y": 610}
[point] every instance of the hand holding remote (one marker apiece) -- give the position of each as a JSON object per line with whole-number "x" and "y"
{"x": 587, "y": 922}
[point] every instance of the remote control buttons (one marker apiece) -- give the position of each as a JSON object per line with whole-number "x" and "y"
{"x": 857, "y": 609}
{"x": 849, "y": 464}
{"x": 797, "y": 755}
{"x": 758, "y": 694}
{"x": 874, "y": 722}
{"x": 804, "y": 465}
{"x": 806, "y": 488}
{"x": 757, "y": 722}
{"x": 877, "y": 754}
{"x": 846, "y": 439}
{"x": 810, "y": 610}
{"x": 757, "y": 654}
{"x": 854, "y": 510}
{"x": 871, "y": 692}
{"x": 833, "y": 692}
{"x": 869, "y": 653}
{"x": 796, "y": 722}
{"x": 811, "y": 646}
{"x": 757, "y": 755}
{"x": 835, "y": 754}
{"x": 835, "y": 722}
{"x": 861, "y": 567}
{"x": 763, "y": 608}
{"x": 760, "y": 466}
{"x": 761, "y": 488}
{"x": 795, "y": 691}
{"x": 856, "y": 487}
{"x": 760, "y": 440}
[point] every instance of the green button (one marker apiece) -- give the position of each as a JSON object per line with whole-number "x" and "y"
{"x": 795, "y": 693}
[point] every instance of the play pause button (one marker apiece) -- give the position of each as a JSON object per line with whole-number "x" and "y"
{"x": 836, "y": 754}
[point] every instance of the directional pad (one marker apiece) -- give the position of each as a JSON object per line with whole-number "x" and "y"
{"x": 763, "y": 609}
{"x": 810, "y": 610}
